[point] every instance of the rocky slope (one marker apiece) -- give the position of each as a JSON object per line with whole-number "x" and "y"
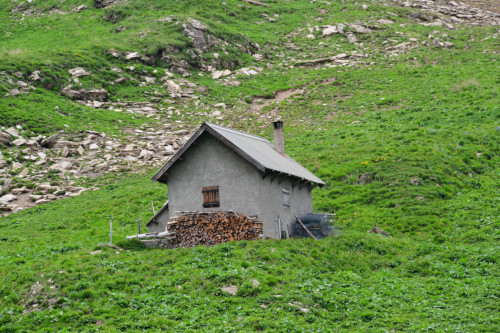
{"x": 178, "y": 92}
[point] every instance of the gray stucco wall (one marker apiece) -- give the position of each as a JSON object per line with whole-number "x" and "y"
{"x": 241, "y": 187}
{"x": 159, "y": 223}
{"x": 272, "y": 201}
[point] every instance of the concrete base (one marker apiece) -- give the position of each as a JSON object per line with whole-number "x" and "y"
{"x": 151, "y": 242}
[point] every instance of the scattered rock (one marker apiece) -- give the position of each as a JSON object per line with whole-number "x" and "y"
{"x": 7, "y": 198}
{"x": 384, "y": 21}
{"x": 169, "y": 150}
{"x": 101, "y": 167}
{"x": 4, "y": 138}
{"x": 31, "y": 143}
{"x": 80, "y": 8}
{"x": 17, "y": 166}
{"x": 115, "y": 53}
{"x": 63, "y": 166}
{"x": 218, "y": 74}
{"x": 50, "y": 141}
{"x": 233, "y": 83}
{"x": 19, "y": 142}
{"x": 351, "y": 37}
{"x": 329, "y": 30}
{"x": 174, "y": 89}
{"x": 231, "y": 289}
{"x": 86, "y": 95}
{"x": 80, "y": 150}
{"x": 23, "y": 173}
{"x": 20, "y": 190}
{"x": 78, "y": 72}
{"x": 358, "y": 28}
{"x": 132, "y": 55}
{"x": 12, "y": 131}
{"x": 105, "y": 3}
{"x": 195, "y": 30}
{"x": 419, "y": 16}
{"x": 35, "y": 76}
{"x": 65, "y": 152}
{"x": 299, "y": 306}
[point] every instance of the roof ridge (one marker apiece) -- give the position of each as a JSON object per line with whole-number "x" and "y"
{"x": 237, "y": 132}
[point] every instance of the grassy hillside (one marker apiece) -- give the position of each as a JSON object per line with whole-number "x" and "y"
{"x": 354, "y": 281}
{"x": 402, "y": 125}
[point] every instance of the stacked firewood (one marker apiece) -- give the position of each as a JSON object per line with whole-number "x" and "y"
{"x": 210, "y": 228}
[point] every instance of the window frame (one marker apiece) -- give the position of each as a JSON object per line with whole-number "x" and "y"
{"x": 286, "y": 197}
{"x": 211, "y": 196}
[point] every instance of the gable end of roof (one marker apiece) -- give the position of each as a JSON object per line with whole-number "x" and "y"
{"x": 256, "y": 150}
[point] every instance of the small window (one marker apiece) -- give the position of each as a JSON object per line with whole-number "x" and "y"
{"x": 211, "y": 196}
{"x": 286, "y": 198}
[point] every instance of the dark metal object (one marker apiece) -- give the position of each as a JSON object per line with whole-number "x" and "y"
{"x": 319, "y": 225}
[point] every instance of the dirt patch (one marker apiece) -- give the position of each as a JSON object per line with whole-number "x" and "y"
{"x": 24, "y": 200}
{"x": 259, "y": 103}
{"x": 40, "y": 297}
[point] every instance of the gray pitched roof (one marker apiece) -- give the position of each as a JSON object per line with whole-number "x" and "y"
{"x": 256, "y": 150}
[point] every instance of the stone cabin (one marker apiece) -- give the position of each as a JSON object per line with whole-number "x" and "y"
{"x": 221, "y": 169}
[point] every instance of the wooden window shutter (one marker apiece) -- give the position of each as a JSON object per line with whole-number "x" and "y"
{"x": 211, "y": 196}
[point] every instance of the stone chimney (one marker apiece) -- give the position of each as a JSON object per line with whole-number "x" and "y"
{"x": 279, "y": 137}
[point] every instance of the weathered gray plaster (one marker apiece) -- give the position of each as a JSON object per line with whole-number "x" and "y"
{"x": 241, "y": 187}
{"x": 159, "y": 222}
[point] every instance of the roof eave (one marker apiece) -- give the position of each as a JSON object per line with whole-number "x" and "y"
{"x": 204, "y": 127}
{"x": 235, "y": 148}
{"x": 158, "y": 175}
{"x": 165, "y": 206}
{"x": 319, "y": 183}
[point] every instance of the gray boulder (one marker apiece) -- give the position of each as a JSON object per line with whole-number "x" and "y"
{"x": 197, "y": 32}
{"x": 4, "y": 138}
{"x": 105, "y": 3}
{"x": 78, "y": 72}
{"x": 86, "y": 95}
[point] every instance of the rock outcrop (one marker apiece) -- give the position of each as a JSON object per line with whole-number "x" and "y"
{"x": 105, "y": 3}
{"x": 86, "y": 95}
{"x": 197, "y": 32}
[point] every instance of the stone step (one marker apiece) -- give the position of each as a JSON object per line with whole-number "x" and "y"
{"x": 151, "y": 242}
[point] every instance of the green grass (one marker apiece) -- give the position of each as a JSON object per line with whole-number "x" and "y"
{"x": 355, "y": 281}
{"x": 409, "y": 143}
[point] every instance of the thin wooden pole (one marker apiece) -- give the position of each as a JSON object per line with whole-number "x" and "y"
{"x": 302, "y": 224}
{"x": 139, "y": 225}
{"x": 110, "y": 231}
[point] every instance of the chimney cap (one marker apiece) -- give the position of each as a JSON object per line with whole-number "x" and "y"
{"x": 277, "y": 123}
